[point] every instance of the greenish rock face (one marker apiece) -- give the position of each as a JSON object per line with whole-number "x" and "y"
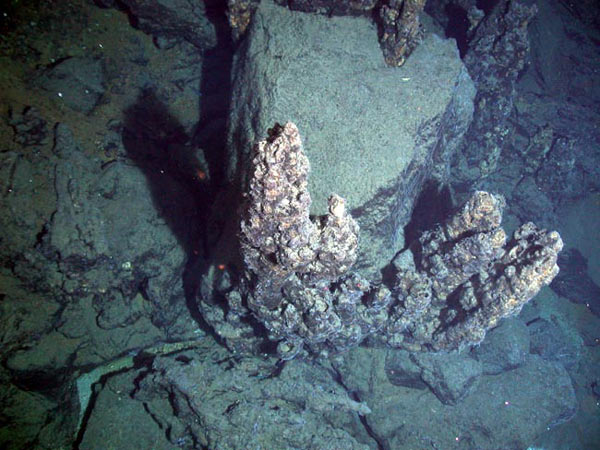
{"x": 369, "y": 130}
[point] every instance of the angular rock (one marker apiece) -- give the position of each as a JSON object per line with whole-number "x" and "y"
{"x": 574, "y": 282}
{"x": 371, "y": 132}
{"x": 528, "y": 400}
{"x": 222, "y": 401}
{"x": 103, "y": 275}
{"x": 27, "y": 200}
{"x": 401, "y": 370}
{"x": 175, "y": 19}
{"x": 78, "y": 82}
{"x": 116, "y": 419}
{"x": 504, "y": 348}
{"x": 449, "y": 376}
{"x": 553, "y": 343}
{"x": 506, "y": 411}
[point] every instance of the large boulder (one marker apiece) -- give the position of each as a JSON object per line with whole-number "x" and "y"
{"x": 507, "y": 411}
{"x": 449, "y": 376}
{"x": 371, "y": 132}
{"x": 505, "y": 347}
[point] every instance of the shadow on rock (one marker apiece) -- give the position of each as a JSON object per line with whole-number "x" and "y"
{"x": 177, "y": 178}
{"x": 574, "y": 283}
{"x": 433, "y": 206}
{"x": 158, "y": 145}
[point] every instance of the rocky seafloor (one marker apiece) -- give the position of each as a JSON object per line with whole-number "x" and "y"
{"x": 125, "y": 133}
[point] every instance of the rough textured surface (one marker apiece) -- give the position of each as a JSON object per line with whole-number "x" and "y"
{"x": 508, "y": 410}
{"x": 30, "y": 129}
{"x": 79, "y": 82}
{"x": 449, "y": 376}
{"x": 239, "y": 15}
{"x": 468, "y": 277}
{"x": 278, "y": 238}
{"x": 574, "y": 282}
{"x": 553, "y": 343}
{"x": 279, "y": 241}
{"x": 331, "y": 7}
{"x": 464, "y": 279}
{"x": 370, "y": 131}
{"x": 402, "y": 31}
{"x": 222, "y": 401}
{"x": 529, "y": 262}
{"x": 506, "y": 347}
{"x": 287, "y": 253}
{"x": 58, "y": 322}
{"x": 464, "y": 245}
{"x": 497, "y": 55}
{"x": 175, "y": 19}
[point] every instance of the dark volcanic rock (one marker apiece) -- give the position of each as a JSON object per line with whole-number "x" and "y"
{"x": 117, "y": 420}
{"x": 110, "y": 281}
{"x": 520, "y": 404}
{"x": 30, "y": 127}
{"x": 553, "y": 343}
{"x": 573, "y": 281}
{"x": 504, "y": 348}
{"x": 450, "y": 376}
{"x": 557, "y": 139}
{"x": 571, "y": 169}
{"x": 401, "y": 370}
{"x": 222, "y": 401}
{"x": 33, "y": 420}
{"x": 175, "y": 19}
{"x": 117, "y": 254}
{"x": 528, "y": 202}
{"x": 506, "y": 411}
{"x": 564, "y": 53}
{"x": 79, "y": 82}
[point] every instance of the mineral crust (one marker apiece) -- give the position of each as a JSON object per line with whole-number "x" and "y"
{"x": 463, "y": 278}
{"x": 239, "y": 15}
{"x": 477, "y": 278}
{"x": 402, "y": 31}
